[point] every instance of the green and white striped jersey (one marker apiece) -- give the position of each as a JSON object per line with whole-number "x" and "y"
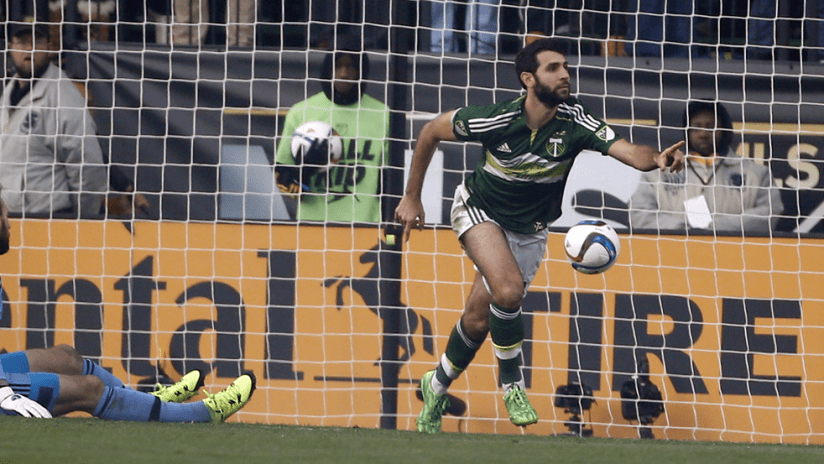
{"x": 520, "y": 181}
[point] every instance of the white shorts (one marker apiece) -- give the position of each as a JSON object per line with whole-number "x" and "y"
{"x": 528, "y": 249}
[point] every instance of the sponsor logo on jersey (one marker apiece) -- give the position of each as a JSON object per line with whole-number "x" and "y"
{"x": 539, "y": 226}
{"x": 555, "y": 147}
{"x": 504, "y": 148}
{"x": 606, "y": 134}
{"x": 460, "y": 129}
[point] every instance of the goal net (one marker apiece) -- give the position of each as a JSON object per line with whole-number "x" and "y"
{"x": 198, "y": 258}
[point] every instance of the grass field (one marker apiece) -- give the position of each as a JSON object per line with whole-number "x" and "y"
{"x": 70, "y": 440}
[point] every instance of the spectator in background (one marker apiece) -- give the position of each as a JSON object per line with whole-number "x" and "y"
{"x": 719, "y": 191}
{"x": 331, "y": 20}
{"x": 668, "y": 24}
{"x": 50, "y": 160}
{"x": 763, "y": 16}
{"x": 761, "y": 28}
{"x": 350, "y": 189}
{"x": 190, "y": 22}
{"x": 480, "y": 21}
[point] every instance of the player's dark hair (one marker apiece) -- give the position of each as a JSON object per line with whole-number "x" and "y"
{"x": 361, "y": 63}
{"x": 723, "y": 121}
{"x": 527, "y": 59}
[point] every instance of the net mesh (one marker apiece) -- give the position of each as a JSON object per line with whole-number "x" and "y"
{"x": 338, "y": 318}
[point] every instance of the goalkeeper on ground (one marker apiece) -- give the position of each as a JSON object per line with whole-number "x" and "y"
{"x": 502, "y": 210}
{"x": 54, "y": 381}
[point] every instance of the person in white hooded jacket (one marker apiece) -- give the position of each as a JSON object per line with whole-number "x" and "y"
{"x": 50, "y": 160}
{"x": 718, "y": 191}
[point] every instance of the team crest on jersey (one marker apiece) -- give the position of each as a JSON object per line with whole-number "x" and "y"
{"x": 460, "y": 128}
{"x": 555, "y": 146}
{"x": 606, "y": 134}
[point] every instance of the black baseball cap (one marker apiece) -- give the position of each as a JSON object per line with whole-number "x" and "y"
{"x": 27, "y": 25}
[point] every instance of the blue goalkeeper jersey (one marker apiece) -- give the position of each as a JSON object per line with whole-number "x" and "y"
{"x": 520, "y": 180}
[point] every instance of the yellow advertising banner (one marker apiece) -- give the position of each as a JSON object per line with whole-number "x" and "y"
{"x": 732, "y": 328}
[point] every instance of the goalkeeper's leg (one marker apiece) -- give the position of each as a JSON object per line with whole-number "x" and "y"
{"x": 65, "y": 360}
{"x": 60, "y": 359}
{"x": 62, "y": 394}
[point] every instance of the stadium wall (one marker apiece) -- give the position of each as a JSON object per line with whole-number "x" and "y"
{"x": 732, "y": 328}
{"x": 166, "y": 116}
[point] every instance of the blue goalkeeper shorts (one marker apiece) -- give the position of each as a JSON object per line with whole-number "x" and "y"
{"x": 43, "y": 387}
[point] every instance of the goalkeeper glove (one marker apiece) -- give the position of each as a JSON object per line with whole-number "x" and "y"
{"x": 12, "y": 403}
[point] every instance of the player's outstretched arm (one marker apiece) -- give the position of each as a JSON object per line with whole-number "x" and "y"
{"x": 409, "y": 212}
{"x": 646, "y": 158}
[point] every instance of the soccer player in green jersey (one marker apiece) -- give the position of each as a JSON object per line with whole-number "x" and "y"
{"x": 501, "y": 211}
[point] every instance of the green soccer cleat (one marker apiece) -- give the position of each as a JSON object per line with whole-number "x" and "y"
{"x": 521, "y": 413}
{"x": 429, "y": 420}
{"x": 181, "y": 391}
{"x": 226, "y": 402}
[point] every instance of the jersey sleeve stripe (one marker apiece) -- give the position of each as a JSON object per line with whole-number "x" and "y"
{"x": 488, "y": 124}
{"x": 579, "y": 116}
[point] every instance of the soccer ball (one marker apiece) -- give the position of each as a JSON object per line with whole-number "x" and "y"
{"x": 591, "y": 247}
{"x": 316, "y": 143}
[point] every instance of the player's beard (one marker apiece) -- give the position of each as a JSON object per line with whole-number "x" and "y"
{"x": 550, "y": 97}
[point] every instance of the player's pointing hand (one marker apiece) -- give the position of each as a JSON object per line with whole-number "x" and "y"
{"x": 672, "y": 157}
{"x": 409, "y": 214}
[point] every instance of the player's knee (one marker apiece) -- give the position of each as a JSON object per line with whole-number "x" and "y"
{"x": 509, "y": 296}
{"x": 79, "y": 393}
{"x": 72, "y": 361}
{"x": 93, "y": 386}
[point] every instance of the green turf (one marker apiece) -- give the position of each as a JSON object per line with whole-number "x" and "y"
{"x": 91, "y": 441}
